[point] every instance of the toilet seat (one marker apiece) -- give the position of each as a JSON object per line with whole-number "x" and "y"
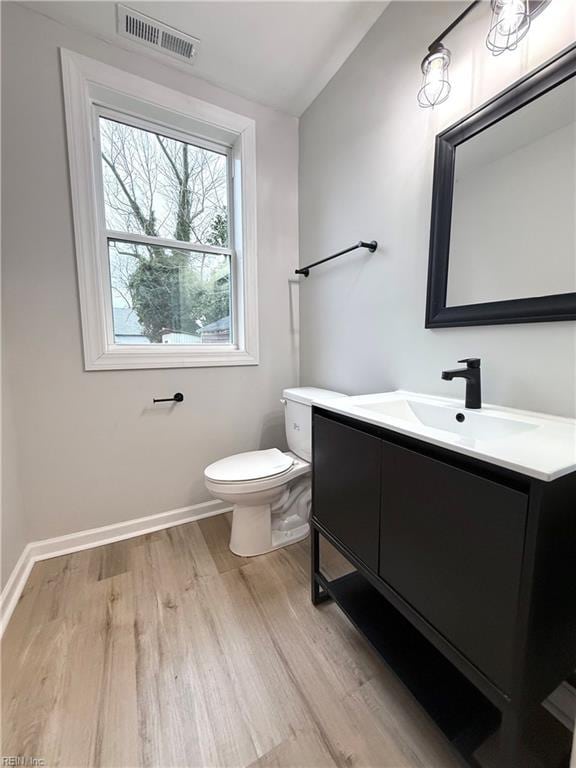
{"x": 296, "y": 468}
{"x": 252, "y": 465}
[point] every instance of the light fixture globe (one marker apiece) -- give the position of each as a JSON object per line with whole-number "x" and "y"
{"x": 510, "y": 22}
{"x": 436, "y": 84}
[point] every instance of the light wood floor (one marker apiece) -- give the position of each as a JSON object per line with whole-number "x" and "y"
{"x": 167, "y": 650}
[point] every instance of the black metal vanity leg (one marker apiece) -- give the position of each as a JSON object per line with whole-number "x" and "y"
{"x": 512, "y": 748}
{"x": 314, "y": 565}
{"x": 317, "y": 596}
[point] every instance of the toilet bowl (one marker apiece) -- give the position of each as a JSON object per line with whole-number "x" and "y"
{"x": 270, "y": 489}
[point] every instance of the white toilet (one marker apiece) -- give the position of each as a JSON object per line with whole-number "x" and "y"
{"x": 270, "y": 490}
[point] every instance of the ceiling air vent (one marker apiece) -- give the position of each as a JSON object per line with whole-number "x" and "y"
{"x": 153, "y": 34}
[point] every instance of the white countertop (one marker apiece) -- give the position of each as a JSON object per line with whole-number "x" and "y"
{"x": 533, "y": 444}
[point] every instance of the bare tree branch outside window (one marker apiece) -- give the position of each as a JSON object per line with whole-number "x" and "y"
{"x": 163, "y": 188}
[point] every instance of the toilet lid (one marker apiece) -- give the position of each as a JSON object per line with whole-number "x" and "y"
{"x": 253, "y": 465}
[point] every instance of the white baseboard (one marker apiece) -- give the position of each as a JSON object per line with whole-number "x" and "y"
{"x": 94, "y": 537}
{"x": 14, "y": 587}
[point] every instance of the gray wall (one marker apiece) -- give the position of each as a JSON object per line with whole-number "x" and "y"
{"x": 366, "y": 159}
{"x": 92, "y": 449}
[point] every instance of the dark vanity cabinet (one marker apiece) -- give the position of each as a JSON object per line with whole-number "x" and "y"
{"x": 348, "y": 477}
{"x": 451, "y": 544}
{"x": 465, "y": 581}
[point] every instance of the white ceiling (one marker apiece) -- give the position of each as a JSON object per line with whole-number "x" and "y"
{"x": 277, "y": 53}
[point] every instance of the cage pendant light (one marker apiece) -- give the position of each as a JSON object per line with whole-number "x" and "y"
{"x": 510, "y": 22}
{"x": 435, "y": 77}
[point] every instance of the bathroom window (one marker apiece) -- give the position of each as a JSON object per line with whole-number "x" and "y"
{"x": 167, "y": 217}
{"x": 164, "y": 209}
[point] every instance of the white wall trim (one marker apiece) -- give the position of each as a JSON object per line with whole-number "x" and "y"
{"x": 95, "y": 537}
{"x": 88, "y": 84}
{"x": 14, "y": 587}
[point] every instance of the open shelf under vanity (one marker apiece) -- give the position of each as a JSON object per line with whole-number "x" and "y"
{"x": 463, "y": 714}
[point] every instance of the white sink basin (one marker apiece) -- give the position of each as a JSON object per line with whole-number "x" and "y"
{"x": 534, "y": 444}
{"x": 474, "y": 424}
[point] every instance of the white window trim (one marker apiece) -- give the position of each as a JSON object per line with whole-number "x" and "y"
{"x": 79, "y": 73}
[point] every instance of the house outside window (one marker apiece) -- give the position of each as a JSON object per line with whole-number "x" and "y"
{"x": 164, "y": 209}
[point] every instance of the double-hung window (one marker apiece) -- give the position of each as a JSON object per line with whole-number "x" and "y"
{"x": 164, "y": 207}
{"x": 167, "y": 218}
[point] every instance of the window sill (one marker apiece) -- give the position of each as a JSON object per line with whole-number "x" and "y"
{"x": 128, "y": 358}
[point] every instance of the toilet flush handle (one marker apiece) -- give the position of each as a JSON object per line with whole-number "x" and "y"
{"x": 282, "y": 401}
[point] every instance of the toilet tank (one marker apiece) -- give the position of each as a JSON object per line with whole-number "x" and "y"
{"x": 298, "y": 416}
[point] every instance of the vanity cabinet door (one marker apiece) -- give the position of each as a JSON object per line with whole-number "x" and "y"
{"x": 451, "y": 544}
{"x": 346, "y": 486}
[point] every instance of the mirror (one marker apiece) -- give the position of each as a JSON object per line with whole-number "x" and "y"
{"x": 513, "y": 229}
{"x": 503, "y": 240}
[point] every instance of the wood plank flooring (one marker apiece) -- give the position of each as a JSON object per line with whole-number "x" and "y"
{"x": 168, "y": 650}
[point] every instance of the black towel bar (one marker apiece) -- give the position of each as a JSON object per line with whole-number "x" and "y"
{"x": 372, "y": 245}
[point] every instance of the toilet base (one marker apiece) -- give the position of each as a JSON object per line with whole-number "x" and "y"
{"x": 267, "y": 514}
{"x": 282, "y": 520}
{"x": 252, "y": 535}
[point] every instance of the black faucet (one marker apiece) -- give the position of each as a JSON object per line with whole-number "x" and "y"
{"x": 472, "y": 375}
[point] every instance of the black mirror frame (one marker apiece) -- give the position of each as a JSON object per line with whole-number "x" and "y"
{"x": 529, "y": 310}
